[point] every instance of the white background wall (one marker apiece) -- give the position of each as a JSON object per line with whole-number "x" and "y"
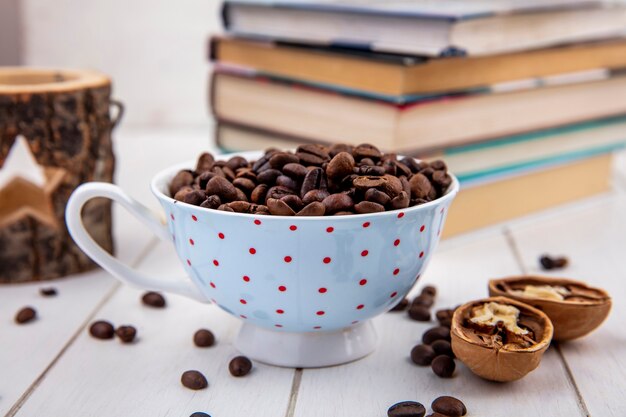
{"x": 155, "y": 50}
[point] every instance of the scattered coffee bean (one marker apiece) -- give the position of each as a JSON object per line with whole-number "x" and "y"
{"x": 548, "y": 262}
{"x": 126, "y": 333}
{"x": 444, "y": 317}
{"x": 48, "y": 291}
{"x": 422, "y": 355}
{"x": 203, "y": 338}
{"x": 199, "y": 414}
{"x": 442, "y": 347}
{"x": 25, "y": 315}
{"x": 102, "y": 330}
{"x": 240, "y": 366}
{"x": 436, "y": 333}
{"x": 424, "y": 300}
{"x": 193, "y": 380}
{"x": 406, "y": 409}
{"x": 449, "y": 406}
{"x": 429, "y": 290}
{"x": 443, "y": 366}
{"x": 153, "y": 299}
{"x": 347, "y": 180}
{"x": 403, "y": 304}
{"x": 419, "y": 312}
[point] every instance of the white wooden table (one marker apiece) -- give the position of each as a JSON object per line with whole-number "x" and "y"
{"x": 52, "y": 367}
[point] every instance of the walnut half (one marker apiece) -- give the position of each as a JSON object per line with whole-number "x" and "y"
{"x": 500, "y": 339}
{"x": 574, "y": 308}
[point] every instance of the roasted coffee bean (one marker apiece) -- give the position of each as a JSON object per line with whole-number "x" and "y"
{"x": 203, "y": 179}
{"x": 244, "y": 184}
{"x": 240, "y": 366}
{"x": 341, "y": 165}
{"x": 268, "y": 176}
{"x": 449, "y": 406}
{"x": 315, "y": 208}
{"x": 548, "y": 262}
{"x": 438, "y": 165}
{"x": 278, "y": 192}
{"x": 126, "y": 333}
{"x": 237, "y": 162}
{"x": 367, "y": 162}
{"x": 442, "y": 179}
{"x": 315, "y": 195}
{"x": 369, "y": 170}
{"x": 423, "y": 300}
{"x": 436, "y": 333}
{"x": 403, "y": 170}
{"x": 403, "y": 304}
{"x": 443, "y": 366}
{"x": 280, "y": 159}
{"x": 153, "y": 299}
{"x": 340, "y": 147}
{"x": 315, "y": 179}
{"x": 365, "y": 207}
{"x": 193, "y": 380}
{"x": 199, "y": 414}
{"x": 180, "y": 194}
{"x": 102, "y": 330}
{"x": 338, "y": 202}
{"x": 365, "y": 150}
{"x": 225, "y": 207}
{"x": 241, "y": 206}
{"x": 422, "y": 355}
{"x": 444, "y": 317}
{"x": 279, "y": 208}
{"x": 222, "y": 188}
{"x": 48, "y": 291}
{"x": 180, "y": 180}
{"x": 203, "y": 338}
{"x": 377, "y": 196}
{"x": 205, "y": 162}
{"x": 429, "y": 290}
{"x": 343, "y": 213}
{"x": 406, "y": 187}
{"x": 211, "y": 202}
{"x": 228, "y": 173}
{"x": 418, "y": 201}
{"x": 287, "y": 182}
{"x": 258, "y": 195}
{"x": 295, "y": 171}
{"x": 389, "y": 166}
{"x": 366, "y": 182}
{"x": 262, "y": 163}
{"x": 293, "y": 201}
{"x": 442, "y": 347}
{"x": 25, "y": 315}
{"x": 406, "y": 409}
{"x": 411, "y": 163}
{"x": 420, "y": 186}
{"x": 419, "y": 312}
{"x": 246, "y": 173}
{"x": 195, "y": 197}
{"x": 312, "y": 154}
{"x": 400, "y": 201}
{"x": 392, "y": 186}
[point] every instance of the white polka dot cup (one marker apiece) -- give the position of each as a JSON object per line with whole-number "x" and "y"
{"x": 306, "y": 288}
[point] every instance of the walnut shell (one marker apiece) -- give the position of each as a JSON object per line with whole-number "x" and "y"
{"x": 500, "y": 362}
{"x": 578, "y": 314}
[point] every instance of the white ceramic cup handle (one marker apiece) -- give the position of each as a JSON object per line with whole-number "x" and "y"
{"x": 121, "y": 271}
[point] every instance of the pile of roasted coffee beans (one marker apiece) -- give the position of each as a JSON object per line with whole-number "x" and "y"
{"x": 548, "y": 262}
{"x": 444, "y": 406}
{"x": 315, "y": 180}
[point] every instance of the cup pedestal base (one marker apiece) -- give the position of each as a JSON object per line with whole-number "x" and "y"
{"x": 307, "y": 350}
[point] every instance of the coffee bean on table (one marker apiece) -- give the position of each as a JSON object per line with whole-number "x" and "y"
{"x": 25, "y": 315}
{"x": 240, "y": 366}
{"x": 48, "y": 291}
{"x": 422, "y": 355}
{"x": 203, "y": 338}
{"x": 449, "y": 406}
{"x": 444, "y": 317}
{"x": 199, "y": 414}
{"x": 153, "y": 299}
{"x": 401, "y": 305}
{"x": 193, "y": 380}
{"x": 126, "y": 333}
{"x": 443, "y": 366}
{"x": 442, "y": 347}
{"x": 424, "y": 300}
{"x": 436, "y": 333}
{"x": 548, "y": 262}
{"x": 102, "y": 330}
{"x": 406, "y": 409}
{"x": 419, "y": 312}
{"x": 429, "y": 290}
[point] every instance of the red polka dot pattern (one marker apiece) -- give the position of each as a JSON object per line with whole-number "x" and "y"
{"x": 172, "y": 216}
{"x": 320, "y": 313}
{"x": 257, "y": 222}
{"x": 421, "y": 254}
{"x": 243, "y": 316}
{"x": 393, "y": 294}
{"x": 364, "y": 253}
{"x": 282, "y": 288}
{"x": 400, "y": 215}
{"x": 330, "y": 229}
{"x": 246, "y": 278}
{"x": 242, "y": 301}
{"x": 252, "y": 251}
{"x": 363, "y": 282}
{"x": 366, "y": 224}
{"x": 322, "y": 290}
{"x": 194, "y": 218}
{"x": 360, "y": 307}
{"x": 396, "y": 242}
{"x": 288, "y": 259}
{"x": 293, "y": 227}
{"x": 327, "y": 260}
{"x": 317, "y": 327}
{"x": 422, "y": 228}
{"x": 215, "y": 262}
{"x": 278, "y": 325}
{"x": 279, "y": 311}
{"x": 212, "y": 284}
{"x": 220, "y": 235}
{"x": 396, "y": 271}
{"x": 188, "y": 262}
{"x": 191, "y": 242}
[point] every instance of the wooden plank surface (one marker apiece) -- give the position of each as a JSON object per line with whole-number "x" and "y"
{"x": 595, "y": 242}
{"x": 107, "y": 378}
{"x": 460, "y": 270}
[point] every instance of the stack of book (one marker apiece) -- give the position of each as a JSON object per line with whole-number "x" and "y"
{"x": 524, "y": 100}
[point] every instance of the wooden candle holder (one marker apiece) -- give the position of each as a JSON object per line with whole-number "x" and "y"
{"x": 64, "y": 117}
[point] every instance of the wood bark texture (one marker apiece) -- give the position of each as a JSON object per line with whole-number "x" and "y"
{"x": 64, "y": 116}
